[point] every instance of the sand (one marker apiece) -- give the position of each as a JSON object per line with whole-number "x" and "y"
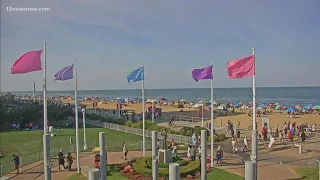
{"x": 245, "y": 120}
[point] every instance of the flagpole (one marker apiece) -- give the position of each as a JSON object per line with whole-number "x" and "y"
{"x": 34, "y": 92}
{"x": 76, "y": 114}
{"x": 46, "y": 137}
{"x": 143, "y": 118}
{"x": 254, "y": 156}
{"x": 212, "y": 126}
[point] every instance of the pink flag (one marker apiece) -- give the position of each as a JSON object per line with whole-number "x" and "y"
{"x": 242, "y": 67}
{"x": 30, "y": 61}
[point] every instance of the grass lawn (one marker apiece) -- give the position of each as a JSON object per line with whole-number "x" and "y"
{"x": 307, "y": 173}
{"x": 220, "y": 174}
{"x": 23, "y": 143}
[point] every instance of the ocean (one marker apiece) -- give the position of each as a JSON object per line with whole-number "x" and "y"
{"x": 283, "y": 95}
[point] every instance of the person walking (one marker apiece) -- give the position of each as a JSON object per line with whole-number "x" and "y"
{"x": 303, "y": 136}
{"x": 219, "y": 155}
{"x": 245, "y": 142}
{"x": 189, "y": 152}
{"x": 193, "y": 153}
{"x": 234, "y": 148}
{"x": 16, "y": 162}
{"x": 69, "y": 161}
{"x": 61, "y": 159}
{"x": 124, "y": 151}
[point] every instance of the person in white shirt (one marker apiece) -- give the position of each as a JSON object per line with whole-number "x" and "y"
{"x": 234, "y": 148}
{"x": 271, "y": 143}
{"x": 189, "y": 152}
{"x": 245, "y": 142}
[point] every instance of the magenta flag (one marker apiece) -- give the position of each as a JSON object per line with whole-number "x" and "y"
{"x": 204, "y": 73}
{"x": 29, "y": 62}
{"x": 242, "y": 67}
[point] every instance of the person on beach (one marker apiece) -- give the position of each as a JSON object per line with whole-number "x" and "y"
{"x": 61, "y": 159}
{"x": 124, "y": 151}
{"x": 264, "y": 135}
{"x": 16, "y": 162}
{"x": 285, "y": 128}
{"x": 219, "y": 155}
{"x": 245, "y": 142}
{"x": 281, "y": 140}
{"x": 290, "y": 137}
{"x": 271, "y": 143}
{"x": 69, "y": 161}
{"x": 303, "y": 136}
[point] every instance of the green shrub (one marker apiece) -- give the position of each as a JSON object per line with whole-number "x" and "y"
{"x": 128, "y": 123}
{"x": 141, "y": 166}
{"x": 178, "y": 160}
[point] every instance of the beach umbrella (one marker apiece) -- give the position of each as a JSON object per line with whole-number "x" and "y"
{"x": 298, "y": 106}
{"x": 290, "y": 109}
{"x": 316, "y": 107}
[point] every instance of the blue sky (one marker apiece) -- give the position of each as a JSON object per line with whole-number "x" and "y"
{"x": 171, "y": 37}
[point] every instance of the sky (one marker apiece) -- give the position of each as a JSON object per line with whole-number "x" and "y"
{"x": 110, "y": 38}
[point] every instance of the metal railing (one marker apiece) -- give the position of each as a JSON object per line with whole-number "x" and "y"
{"x": 138, "y": 132}
{"x": 192, "y": 118}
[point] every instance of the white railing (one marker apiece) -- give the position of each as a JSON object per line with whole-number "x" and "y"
{"x": 192, "y": 118}
{"x": 138, "y": 132}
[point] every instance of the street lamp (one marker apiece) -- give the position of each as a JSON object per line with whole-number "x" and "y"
{"x": 152, "y": 110}
{"x": 84, "y": 129}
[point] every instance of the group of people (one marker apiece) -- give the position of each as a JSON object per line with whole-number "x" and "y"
{"x": 27, "y": 126}
{"x": 61, "y": 159}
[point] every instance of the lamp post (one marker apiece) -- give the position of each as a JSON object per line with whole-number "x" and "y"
{"x": 85, "y": 147}
{"x": 152, "y": 110}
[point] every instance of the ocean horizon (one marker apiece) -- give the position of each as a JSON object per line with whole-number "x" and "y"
{"x": 284, "y": 95}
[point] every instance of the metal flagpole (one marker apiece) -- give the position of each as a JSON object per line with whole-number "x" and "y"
{"x": 143, "y": 118}
{"x": 46, "y": 137}
{"x": 76, "y": 112}
{"x": 254, "y": 155}
{"x": 212, "y": 126}
{"x": 85, "y": 147}
{"x": 34, "y": 92}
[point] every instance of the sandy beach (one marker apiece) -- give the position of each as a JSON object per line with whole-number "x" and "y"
{"x": 275, "y": 118}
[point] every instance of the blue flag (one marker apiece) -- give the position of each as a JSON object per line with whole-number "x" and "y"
{"x": 136, "y": 75}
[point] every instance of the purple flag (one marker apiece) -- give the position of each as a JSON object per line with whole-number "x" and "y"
{"x": 64, "y": 74}
{"x": 204, "y": 73}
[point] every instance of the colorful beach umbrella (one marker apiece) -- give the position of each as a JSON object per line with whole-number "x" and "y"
{"x": 316, "y": 107}
{"x": 290, "y": 109}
